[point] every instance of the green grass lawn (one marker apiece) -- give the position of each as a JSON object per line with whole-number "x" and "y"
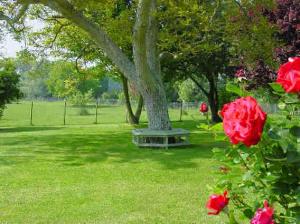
{"x": 51, "y": 173}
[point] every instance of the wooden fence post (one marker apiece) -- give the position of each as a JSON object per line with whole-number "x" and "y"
{"x": 65, "y": 112}
{"x": 31, "y": 113}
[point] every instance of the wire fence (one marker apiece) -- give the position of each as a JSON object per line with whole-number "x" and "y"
{"x": 54, "y": 112}
{"x": 57, "y": 112}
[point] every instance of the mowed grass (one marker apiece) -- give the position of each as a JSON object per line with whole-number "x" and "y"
{"x": 50, "y": 173}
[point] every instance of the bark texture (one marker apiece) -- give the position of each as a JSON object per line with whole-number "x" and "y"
{"x": 147, "y": 66}
{"x": 213, "y": 100}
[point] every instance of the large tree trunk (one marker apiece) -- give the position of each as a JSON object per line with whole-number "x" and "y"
{"x": 157, "y": 108}
{"x": 214, "y": 108}
{"x": 148, "y": 68}
{"x": 144, "y": 74}
{"x": 213, "y": 100}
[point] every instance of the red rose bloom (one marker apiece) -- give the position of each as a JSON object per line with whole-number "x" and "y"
{"x": 263, "y": 215}
{"x": 289, "y": 75}
{"x": 216, "y": 203}
{"x": 243, "y": 121}
{"x": 240, "y": 73}
{"x": 203, "y": 108}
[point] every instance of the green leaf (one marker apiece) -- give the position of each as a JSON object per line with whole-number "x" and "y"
{"x": 217, "y": 127}
{"x": 203, "y": 126}
{"x": 248, "y": 213}
{"x": 281, "y": 105}
{"x": 237, "y": 160}
{"x": 247, "y": 176}
{"x": 230, "y": 87}
{"x": 292, "y": 99}
{"x": 220, "y": 138}
{"x": 293, "y": 157}
{"x": 295, "y": 131}
{"x": 273, "y": 134}
{"x": 277, "y": 87}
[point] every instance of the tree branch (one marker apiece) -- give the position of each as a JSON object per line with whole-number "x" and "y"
{"x": 151, "y": 40}
{"x": 12, "y": 21}
{"x": 78, "y": 58}
{"x": 21, "y": 13}
{"x": 113, "y": 52}
{"x": 52, "y": 42}
{"x": 199, "y": 85}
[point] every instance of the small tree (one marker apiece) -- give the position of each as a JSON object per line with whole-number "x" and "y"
{"x": 9, "y": 80}
{"x": 187, "y": 91}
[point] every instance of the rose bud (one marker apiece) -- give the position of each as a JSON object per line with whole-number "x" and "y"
{"x": 203, "y": 108}
{"x": 243, "y": 121}
{"x": 217, "y": 203}
{"x": 240, "y": 73}
{"x": 263, "y": 215}
{"x": 289, "y": 75}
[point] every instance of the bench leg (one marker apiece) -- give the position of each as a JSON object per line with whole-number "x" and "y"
{"x": 167, "y": 142}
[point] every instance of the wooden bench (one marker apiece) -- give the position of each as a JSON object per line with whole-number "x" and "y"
{"x": 160, "y": 138}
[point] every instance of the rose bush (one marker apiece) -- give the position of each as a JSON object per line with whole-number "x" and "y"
{"x": 263, "y": 162}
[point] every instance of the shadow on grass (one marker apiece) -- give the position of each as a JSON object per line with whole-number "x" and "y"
{"x": 78, "y": 149}
{"x": 28, "y": 129}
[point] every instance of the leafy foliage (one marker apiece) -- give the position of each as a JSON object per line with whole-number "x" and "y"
{"x": 9, "y": 80}
{"x": 34, "y": 74}
{"x": 287, "y": 17}
{"x": 270, "y": 168}
{"x": 65, "y": 81}
{"x": 281, "y": 27}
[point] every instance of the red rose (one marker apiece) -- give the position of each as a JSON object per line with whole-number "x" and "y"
{"x": 203, "y": 108}
{"x": 216, "y": 203}
{"x": 289, "y": 75}
{"x": 240, "y": 73}
{"x": 263, "y": 215}
{"x": 243, "y": 121}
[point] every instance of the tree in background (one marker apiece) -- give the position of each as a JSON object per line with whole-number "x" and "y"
{"x": 34, "y": 74}
{"x": 255, "y": 40}
{"x": 188, "y": 91}
{"x": 274, "y": 32}
{"x": 286, "y": 16}
{"x": 9, "y": 81}
{"x": 65, "y": 81}
{"x": 194, "y": 46}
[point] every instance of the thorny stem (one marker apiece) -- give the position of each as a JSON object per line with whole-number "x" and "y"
{"x": 230, "y": 215}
